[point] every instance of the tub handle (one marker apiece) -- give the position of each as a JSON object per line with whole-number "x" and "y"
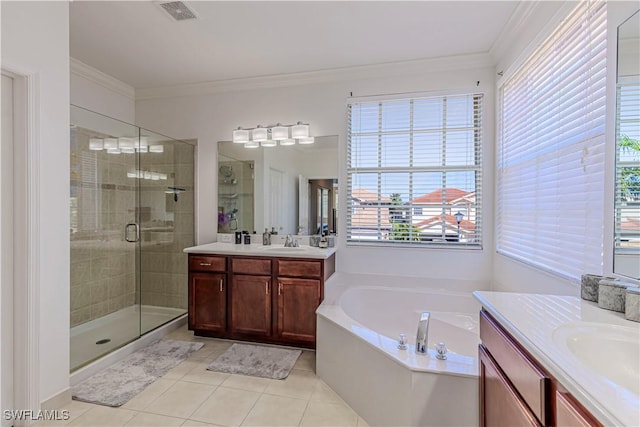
{"x": 402, "y": 342}
{"x": 441, "y": 349}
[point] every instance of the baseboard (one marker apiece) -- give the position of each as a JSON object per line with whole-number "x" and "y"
{"x": 119, "y": 354}
{"x": 57, "y": 401}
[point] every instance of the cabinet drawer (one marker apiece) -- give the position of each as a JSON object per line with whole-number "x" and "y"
{"x": 207, "y": 263}
{"x": 296, "y": 268}
{"x": 251, "y": 266}
{"x": 530, "y": 382}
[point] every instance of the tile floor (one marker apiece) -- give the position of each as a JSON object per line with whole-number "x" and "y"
{"x": 189, "y": 395}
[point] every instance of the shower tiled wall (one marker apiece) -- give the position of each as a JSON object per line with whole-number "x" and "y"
{"x": 168, "y": 227}
{"x": 102, "y": 202}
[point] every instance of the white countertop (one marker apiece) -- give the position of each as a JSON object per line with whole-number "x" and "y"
{"x": 260, "y": 250}
{"x": 533, "y": 320}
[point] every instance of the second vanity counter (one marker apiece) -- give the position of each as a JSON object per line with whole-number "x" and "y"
{"x": 262, "y": 251}
{"x": 257, "y": 293}
{"x": 592, "y": 352}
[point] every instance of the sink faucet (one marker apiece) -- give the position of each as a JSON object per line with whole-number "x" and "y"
{"x": 290, "y": 242}
{"x": 423, "y": 332}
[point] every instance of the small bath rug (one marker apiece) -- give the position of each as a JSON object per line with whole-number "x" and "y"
{"x": 117, "y": 384}
{"x": 256, "y": 361}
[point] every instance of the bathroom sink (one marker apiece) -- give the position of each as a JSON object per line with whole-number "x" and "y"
{"x": 283, "y": 248}
{"x": 608, "y": 350}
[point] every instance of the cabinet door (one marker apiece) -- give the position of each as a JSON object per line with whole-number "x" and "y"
{"x": 208, "y": 302}
{"x": 500, "y": 404}
{"x": 570, "y": 414}
{"x": 298, "y": 300}
{"x": 250, "y": 305}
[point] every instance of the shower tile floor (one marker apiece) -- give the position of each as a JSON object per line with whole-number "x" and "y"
{"x": 189, "y": 395}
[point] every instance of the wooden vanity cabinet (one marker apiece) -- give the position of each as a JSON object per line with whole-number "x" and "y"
{"x": 250, "y": 297}
{"x": 299, "y": 293}
{"x": 270, "y": 300}
{"x": 515, "y": 390}
{"x": 208, "y": 287}
{"x": 501, "y": 404}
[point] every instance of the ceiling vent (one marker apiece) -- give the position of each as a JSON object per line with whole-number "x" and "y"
{"x": 177, "y": 10}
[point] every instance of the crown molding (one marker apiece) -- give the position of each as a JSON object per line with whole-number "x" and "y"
{"x": 98, "y": 77}
{"x": 516, "y": 22}
{"x": 317, "y": 77}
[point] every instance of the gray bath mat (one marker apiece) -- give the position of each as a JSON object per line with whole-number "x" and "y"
{"x": 117, "y": 384}
{"x": 257, "y": 361}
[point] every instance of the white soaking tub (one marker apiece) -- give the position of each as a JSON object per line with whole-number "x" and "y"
{"x": 358, "y": 356}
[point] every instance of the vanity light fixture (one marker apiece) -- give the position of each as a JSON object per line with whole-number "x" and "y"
{"x": 300, "y": 130}
{"x": 279, "y": 132}
{"x": 306, "y": 140}
{"x": 259, "y": 134}
{"x": 110, "y": 144}
{"x": 96, "y": 144}
{"x": 159, "y": 148}
{"x": 126, "y": 145}
{"x": 241, "y": 136}
{"x": 269, "y": 136}
{"x": 143, "y": 145}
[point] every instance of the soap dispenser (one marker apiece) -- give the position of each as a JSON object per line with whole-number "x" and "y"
{"x": 266, "y": 237}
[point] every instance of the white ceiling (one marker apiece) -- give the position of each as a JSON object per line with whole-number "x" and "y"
{"x": 137, "y": 43}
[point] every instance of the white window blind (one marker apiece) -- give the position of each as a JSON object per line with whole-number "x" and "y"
{"x": 550, "y": 178}
{"x": 414, "y": 171}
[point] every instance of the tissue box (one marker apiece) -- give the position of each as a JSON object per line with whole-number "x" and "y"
{"x": 612, "y": 294}
{"x": 632, "y": 304}
{"x": 589, "y": 286}
{"x": 314, "y": 240}
{"x": 331, "y": 241}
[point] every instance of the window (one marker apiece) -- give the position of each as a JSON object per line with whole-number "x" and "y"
{"x": 627, "y": 199}
{"x": 413, "y": 164}
{"x": 550, "y": 181}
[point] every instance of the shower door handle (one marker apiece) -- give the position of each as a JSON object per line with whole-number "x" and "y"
{"x": 127, "y": 228}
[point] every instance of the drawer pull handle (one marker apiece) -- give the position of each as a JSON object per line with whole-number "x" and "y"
{"x": 266, "y": 288}
{"x": 221, "y": 288}
{"x": 279, "y": 288}
{"x": 205, "y": 264}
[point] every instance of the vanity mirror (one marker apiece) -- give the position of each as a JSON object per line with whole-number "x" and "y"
{"x": 282, "y": 181}
{"x": 627, "y": 191}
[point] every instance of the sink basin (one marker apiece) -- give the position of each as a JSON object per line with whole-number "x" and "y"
{"x": 282, "y": 248}
{"x": 608, "y": 350}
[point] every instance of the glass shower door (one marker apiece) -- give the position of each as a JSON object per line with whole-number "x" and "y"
{"x": 103, "y": 235}
{"x": 166, "y": 209}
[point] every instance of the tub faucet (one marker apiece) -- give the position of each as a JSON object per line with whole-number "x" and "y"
{"x": 423, "y": 332}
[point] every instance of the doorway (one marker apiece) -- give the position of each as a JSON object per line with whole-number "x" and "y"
{"x": 6, "y": 249}
{"x": 323, "y": 204}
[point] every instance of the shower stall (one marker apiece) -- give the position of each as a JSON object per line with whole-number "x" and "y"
{"x": 132, "y": 213}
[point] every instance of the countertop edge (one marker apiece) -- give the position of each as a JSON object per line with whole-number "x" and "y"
{"x": 218, "y": 248}
{"x": 579, "y": 393}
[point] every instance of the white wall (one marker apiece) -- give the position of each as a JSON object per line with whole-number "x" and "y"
{"x": 96, "y": 91}
{"x": 35, "y": 38}
{"x": 211, "y": 118}
{"x": 512, "y": 275}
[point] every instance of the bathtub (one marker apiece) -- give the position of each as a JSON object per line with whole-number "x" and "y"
{"x": 357, "y": 351}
